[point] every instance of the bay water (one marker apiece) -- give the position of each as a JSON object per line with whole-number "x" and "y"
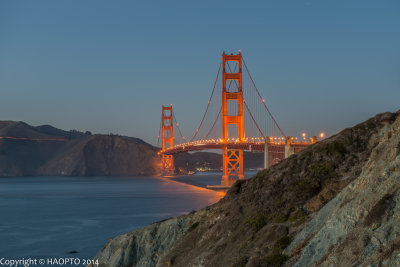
{"x": 42, "y": 217}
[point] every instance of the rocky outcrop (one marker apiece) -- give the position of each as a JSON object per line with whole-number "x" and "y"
{"x": 361, "y": 225}
{"x": 145, "y": 246}
{"x": 333, "y": 204}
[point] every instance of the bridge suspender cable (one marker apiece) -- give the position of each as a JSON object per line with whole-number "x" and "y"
{"x": 247, "y": 70}
{"x": 177, "y": 126}
{"x": 159, "y": 132}
{"x": 245, "y": 104}
{"x": 220, "y": 109}
{"x": 215, "y": 122}
{"x": 208, "y": 105}
{"x": 247, "y": 107}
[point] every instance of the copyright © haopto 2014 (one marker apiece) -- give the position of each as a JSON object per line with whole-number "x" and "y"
{"x": 48, "y": 262}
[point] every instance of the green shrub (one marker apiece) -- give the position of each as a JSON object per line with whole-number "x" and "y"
{"x": 252, "y": 196}
{"x": 306, "y": 188}
{"x": 193, "y": 226}
{"x": 281, "y": 244}
{"x": 278, "y": 217}
{"x": 298, "y": 217}
{"x": 236, "y": 186}
{"x": 242, "y": 261}
{"x": 243, "y": 246}
{"x": 258, "y": 221}
{"x": 323, "y": 168}
{"x": 337, "y": 148}
{"x": 276, "y": 260}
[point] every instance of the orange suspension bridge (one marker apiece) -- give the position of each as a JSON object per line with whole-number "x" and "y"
{"x": 236, "y": 119}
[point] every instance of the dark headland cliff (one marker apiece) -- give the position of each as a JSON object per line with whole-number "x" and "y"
{"x": 336, "y": 203}
{"x": 48, "y": 151}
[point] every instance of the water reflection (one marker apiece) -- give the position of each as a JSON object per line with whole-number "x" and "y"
{"x": 198, "y": 188}
{"x": 50, "y": 216}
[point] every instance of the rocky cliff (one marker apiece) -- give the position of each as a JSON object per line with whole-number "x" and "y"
{"x": 336, "y": 203}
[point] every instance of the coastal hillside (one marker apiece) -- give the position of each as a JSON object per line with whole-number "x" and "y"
{"x": 337, "y": 203}
{"x": 103, "y": 155}
{"x": 27, "y": 150}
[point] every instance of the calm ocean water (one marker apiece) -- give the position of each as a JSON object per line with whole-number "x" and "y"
{"x": 52, "y": 216}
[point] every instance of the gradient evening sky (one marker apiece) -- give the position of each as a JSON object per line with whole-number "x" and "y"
{"x": 108, "y": 66}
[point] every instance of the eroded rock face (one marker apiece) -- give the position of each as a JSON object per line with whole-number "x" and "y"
{"x": 146, "y": 246}
{"x": 361, "y": 225}
{"x": 333, "y": 204}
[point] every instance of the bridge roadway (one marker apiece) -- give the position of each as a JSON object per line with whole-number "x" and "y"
{"x": 278, "y": 147}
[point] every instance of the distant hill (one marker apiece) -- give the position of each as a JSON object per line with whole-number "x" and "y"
{"x": 44, "y": 150}
{"x": 102, "y": 155}
{"x": 21, "y": 129}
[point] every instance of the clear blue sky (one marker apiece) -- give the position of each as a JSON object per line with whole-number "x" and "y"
{"x": 108, "y": 66}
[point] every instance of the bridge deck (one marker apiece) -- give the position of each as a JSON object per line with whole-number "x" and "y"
{"x": 249, "y": 146}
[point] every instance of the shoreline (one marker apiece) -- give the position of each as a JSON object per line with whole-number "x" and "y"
{"x": 205, "y": 179}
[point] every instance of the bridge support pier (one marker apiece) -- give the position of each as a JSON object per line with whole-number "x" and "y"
{"x": 168, "y": 165}
{"x": 232, "y": 166}
{"x": 232, "y": 158}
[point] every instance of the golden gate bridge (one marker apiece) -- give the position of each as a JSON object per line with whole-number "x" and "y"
{"x": 236, "y": 119}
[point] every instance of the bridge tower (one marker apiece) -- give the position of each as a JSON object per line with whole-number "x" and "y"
{"x": 232, "y": 158}
{"x": 168, "y": 166}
